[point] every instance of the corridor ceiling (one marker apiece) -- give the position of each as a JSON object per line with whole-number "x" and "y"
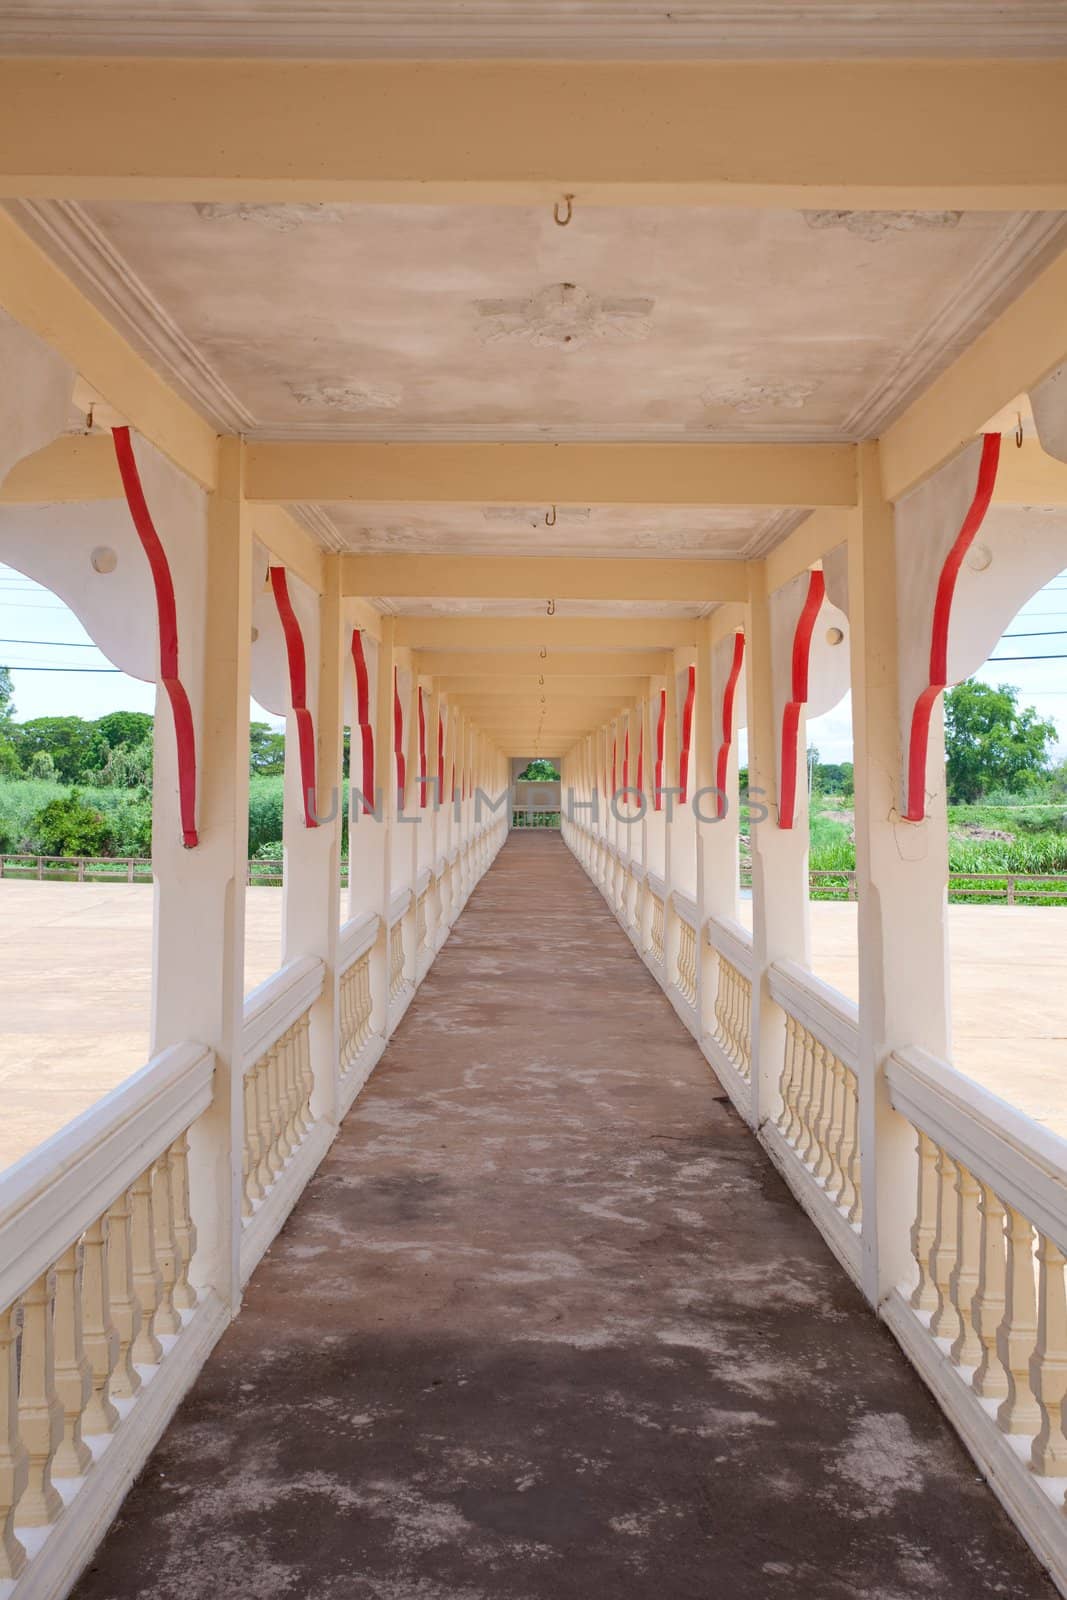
{"x": 336, "y": 231}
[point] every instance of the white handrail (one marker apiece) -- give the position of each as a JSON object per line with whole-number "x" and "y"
{"x": 1023, "y": 1162}
{"x": 399, "y": 904}
{"x": 731, "y": 940}
{"x": 276, "y": 1004}
{"x": 656, "y": 884}
{"x": 356, "y": 937}
{"x": 831, "y": 1016}
{"x": 685, "y": 908}
{"x": 50, "y": 1197}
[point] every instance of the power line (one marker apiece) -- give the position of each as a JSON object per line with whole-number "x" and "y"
{"x": 66, "y": 669}
{"x": 1048, "y": 633}
{"x": 996, "y": 660}
{"x": 58, "y": 644}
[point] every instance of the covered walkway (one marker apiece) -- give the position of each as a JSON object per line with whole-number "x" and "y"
{"x": 547, "y": 1323}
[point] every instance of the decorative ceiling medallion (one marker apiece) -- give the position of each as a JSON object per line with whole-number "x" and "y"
{"x": 345, "y": 396}
{"x": 563, "y": 316}
{"x": 875, "y": 225}
{"x": 746, "y": 398}
{"x": 536, "y": 516}
{"x": 279, "y": 218}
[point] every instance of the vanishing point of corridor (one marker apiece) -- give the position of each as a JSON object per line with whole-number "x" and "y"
{"x": 546, "y": 1323}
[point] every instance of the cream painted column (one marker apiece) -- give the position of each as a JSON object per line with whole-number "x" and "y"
{"x": 312, "y": 880}
{"x": 902, "y": 884}
{"x": 199, "y": 925}
{"x": 380, "y": 865}
{"x": 718, "y": 826}
{"x": 780, "y": 930}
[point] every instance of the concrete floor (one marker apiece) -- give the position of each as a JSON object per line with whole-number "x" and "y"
{"x": 546, "y": 1325}
{"x": 65, "y": 1042}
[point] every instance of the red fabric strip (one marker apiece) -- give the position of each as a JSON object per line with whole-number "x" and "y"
{"x": 167, "y": 615}
{"x": 398, "y": 742}
{"x": 687, "y": 736}
{"x": 305, "y": 728}
{"x": 657, "y": 798}
{"x": 787, "y": 796}
{"x": 363, "y": 719}
{"x": 919, "y": 738}
{"x": 722, "y": 759}
{"x": 422, "y": 752}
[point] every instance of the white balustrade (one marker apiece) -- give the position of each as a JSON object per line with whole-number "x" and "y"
{"x": 813, "y": 1131}
{"x": 728, "y": 1040}
{"x": 97, "y": 1241}
{"x": 685, "y": 961}
{"x": 278, "y": 1079}
{"x": 985, "y": 1315}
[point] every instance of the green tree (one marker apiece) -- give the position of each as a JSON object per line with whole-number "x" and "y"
{"x": 68, "y": 740}
{"x": 42, "y": 766}
{"x": 129, "y": 766}
{"x": 118, "y": 730}
{"x": 266, "y": 751}
{"x": 68, "y": 827}
{"x": 538, "y": 771}
{"x": 7, "y": 696}
{"x": 990, "y": 743}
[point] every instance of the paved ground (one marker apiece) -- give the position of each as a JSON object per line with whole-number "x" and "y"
{"x": 65, "y": 1042}
{"x": 547, "y": 1326}
{"x": 1009, "y": 1004}
{"x": 75, "y": 992}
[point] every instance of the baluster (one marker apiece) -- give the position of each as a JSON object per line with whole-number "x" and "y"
{"x": 1048, "y": 1364}
{"x": 734, "y": 1002}
{"x": 147, "y": 1350}
{"x": 835, "y": 1177}
{"x": 99, "y": 1334}
{"x": 745, "y": 986}
{"x": 264, "y": 1171}
{"x": 924, "y": 1228}
{"x": 821, "y": 1170}
{"x": 1017, "y": 1334}
{"x": 279, "y": 1147}
{"x": 846, "y": 1144}
{"x": 990, "y": 1381}
{"x": 945, "y": 1322}
{"x": 14, "y": 1462}
{"x": 963, "y": 1280}
{"x": 787, "y": 1083}
{"x": 807, "y": 1098}
{"x": 253, "y": 1189}
{"x": 125, "y": 1306}
{"x": 307, "y": 1078}
{"x": 293, "y": 1093}
{"x": 73, "y": 1374}
{"x": 40, "y": 1409}
{"x": 167, "y": 1318}
{"x": 185, "y": 1296}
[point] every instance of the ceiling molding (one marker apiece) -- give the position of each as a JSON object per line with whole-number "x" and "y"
{"x": 1028, "y": 242}
{"x": 66, "y": 231}
{"x": 537, "y": 29}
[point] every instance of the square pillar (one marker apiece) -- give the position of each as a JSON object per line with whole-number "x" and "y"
{"x": 199, "y": 923}
{"x": 780, "y": 928}
{"x": 902, "y": 886}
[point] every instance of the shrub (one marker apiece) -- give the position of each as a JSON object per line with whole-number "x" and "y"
{"x": 67, "y": 826}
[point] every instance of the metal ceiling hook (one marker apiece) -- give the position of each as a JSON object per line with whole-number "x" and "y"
{"x": 550, "y": 518}
{"x": 561, "y": 221}
{"x": 1018, "y": 430}
{"x": 551, "y": 608}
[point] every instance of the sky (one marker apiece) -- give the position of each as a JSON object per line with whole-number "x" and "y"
{"x": 58, "y": 671}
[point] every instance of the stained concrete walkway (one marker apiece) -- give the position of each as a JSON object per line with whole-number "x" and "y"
{"x": 547, "y": 1325}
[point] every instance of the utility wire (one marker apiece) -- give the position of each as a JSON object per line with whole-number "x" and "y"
{"x": 996, "y": 660}
{"x": 62, "y": 644}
